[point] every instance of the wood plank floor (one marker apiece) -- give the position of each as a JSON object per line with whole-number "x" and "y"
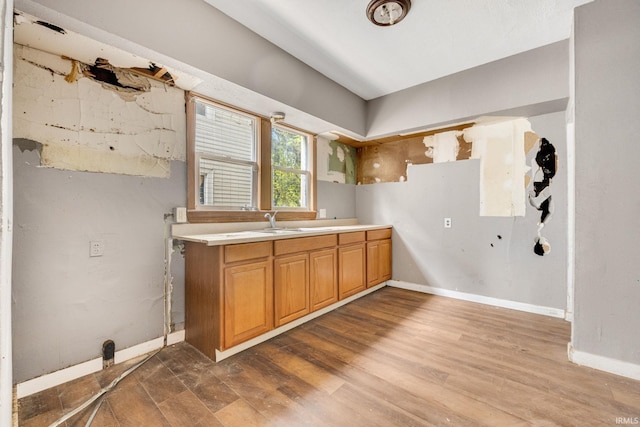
{"x": 392, "y": 358}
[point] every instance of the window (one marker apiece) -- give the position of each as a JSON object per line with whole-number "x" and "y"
{"x": 290, "y": 168}
{"x": 240, "y": 166}
{"x": 225, "y": 154}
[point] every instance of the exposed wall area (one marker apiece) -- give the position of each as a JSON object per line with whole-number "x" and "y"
{"x": 336, "y": 172}
{"x": 91, "y": 164}
{"x": 488, "y": 256}
{"x": 83, "y": 124}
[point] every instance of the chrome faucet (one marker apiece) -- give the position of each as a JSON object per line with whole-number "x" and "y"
{"x": 271, "y": 218}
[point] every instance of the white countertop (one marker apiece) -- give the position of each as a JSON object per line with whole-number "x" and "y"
{"x": 259, "y": 235}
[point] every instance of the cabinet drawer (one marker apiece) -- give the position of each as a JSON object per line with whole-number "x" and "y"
{"x": 355, "y": 237}
{"x": 290, "y": 246}
{"x": 379, "y": 234}
{"x": 246, "y": 251}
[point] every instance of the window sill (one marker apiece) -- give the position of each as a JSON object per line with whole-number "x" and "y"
{"x": 198, "y": 216}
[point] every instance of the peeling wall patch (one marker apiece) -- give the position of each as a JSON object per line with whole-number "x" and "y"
{"x": 84, "y": 127}
{"x": 544, "y": 169}
{"x": 27, "y": 145}
{"x": 336, "y": 161}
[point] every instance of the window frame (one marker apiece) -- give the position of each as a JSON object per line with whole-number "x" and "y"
{"x": 197, "y": 213}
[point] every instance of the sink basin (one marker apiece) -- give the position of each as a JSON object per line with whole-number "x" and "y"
{"x": 278, "y": 230}
{"x": 316, "y": 228}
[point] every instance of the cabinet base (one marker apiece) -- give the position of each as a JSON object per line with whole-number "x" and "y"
{"x": 221, "y": 355}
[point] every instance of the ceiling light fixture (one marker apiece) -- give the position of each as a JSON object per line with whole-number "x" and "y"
{"x": 387, "y": 12}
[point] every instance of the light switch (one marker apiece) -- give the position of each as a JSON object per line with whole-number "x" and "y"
{"x": 181, "y": 215}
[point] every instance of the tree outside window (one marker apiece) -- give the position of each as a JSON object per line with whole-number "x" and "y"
{"x": 290, "y": 168}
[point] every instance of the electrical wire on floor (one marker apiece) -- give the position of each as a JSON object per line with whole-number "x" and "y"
{"x": 99, "y": 396}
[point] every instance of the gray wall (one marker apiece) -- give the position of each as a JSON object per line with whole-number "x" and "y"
{"x": 338, "y": 199}
{"x": 528, "y": 84}
{"x": 607, "y": 109}
{"x": 470, "y": 257}
{"x": 66, "y": 304}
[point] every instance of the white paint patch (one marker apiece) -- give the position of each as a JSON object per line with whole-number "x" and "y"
{"x": 323, "y": 152}
{"x": 442, "y": 147}
{"x": 377, "y": 179}
{"x": 500, "y": 148}
{"x": 376, "y": 165}
{"x": 84, "y": 127}
{"x": 402, "y": 178}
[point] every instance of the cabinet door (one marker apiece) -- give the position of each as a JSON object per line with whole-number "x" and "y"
{"x": 351, "y": 270}
{"x": 323, "y": 278}
{"x": 373, "y": 263}
{"x": 378, "y": 261}
{"x": 248, "y": 302}
{"x": 291, "y": 286}
{"x": 385, "y": 259}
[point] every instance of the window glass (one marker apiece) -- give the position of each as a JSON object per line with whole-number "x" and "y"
{"x": 290, "y": 168}
{"x": 225, "y": 150}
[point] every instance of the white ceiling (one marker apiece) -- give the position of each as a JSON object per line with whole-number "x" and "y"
{"x": 437, "y": 38}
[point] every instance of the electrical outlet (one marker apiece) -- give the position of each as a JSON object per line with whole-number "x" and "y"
{"x": 447, "y": 223}
{"x": 322, "y": 213}
{"x": 96, "y": 248}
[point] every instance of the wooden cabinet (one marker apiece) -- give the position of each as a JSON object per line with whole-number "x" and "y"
{"x": 228, "y": 294}
{"x": 248, "y": 302}
{"x": 323, "y": 278}
{"x": 291, "y": 287}
{"x": 294, "y": 297}
{"x": 237, "y": 292}
{"x": 378, "y": 256}
{"x": 351, "y": 264}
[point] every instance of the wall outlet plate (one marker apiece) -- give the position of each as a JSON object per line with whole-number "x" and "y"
{"x": 96, "y": 248}
{"x": 180, "y": 215}
{"x": 447, "y": 223}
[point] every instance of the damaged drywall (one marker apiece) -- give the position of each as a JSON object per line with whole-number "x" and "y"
{"x": 388, "y": 162}
{"x": 499, "y": 144}
{"x": 500, "y": 148}
{"x": 336, "y": 162}
{"x": 443, "y": 147}
{"x": 88, "y": 124}
{"x": 543, "y": 170}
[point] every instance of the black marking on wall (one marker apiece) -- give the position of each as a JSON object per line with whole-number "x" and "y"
{"x": 540, "y": 197}
{"x": 52, "y": 27}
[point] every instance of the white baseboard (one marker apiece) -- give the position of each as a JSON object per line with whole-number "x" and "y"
{"x": 62, "y": 376}
{"x": 175, "y": 337}
{"x": 514, "y": 305}
{"x": 602, "y": 363}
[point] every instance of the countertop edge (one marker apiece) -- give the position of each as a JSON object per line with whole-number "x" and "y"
{"x": 258, "y": 236}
